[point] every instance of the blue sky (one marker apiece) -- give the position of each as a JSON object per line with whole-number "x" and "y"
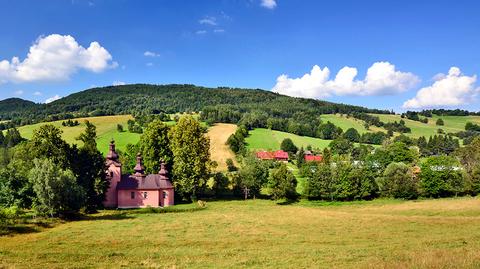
{"x": 418, "y": 54}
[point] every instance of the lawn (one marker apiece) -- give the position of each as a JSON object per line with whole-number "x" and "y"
{"x": 262, "y": 234}
{"x": 267, "y": 139}
{"x": 345, "y": 123}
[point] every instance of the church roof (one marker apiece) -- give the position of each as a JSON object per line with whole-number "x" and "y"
{"x": 149, "y": 182}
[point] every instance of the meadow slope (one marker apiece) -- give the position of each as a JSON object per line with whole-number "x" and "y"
{"x": 261, "y": 234}
{"x": 219, "y": 150}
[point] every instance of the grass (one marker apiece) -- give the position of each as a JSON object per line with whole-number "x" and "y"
{"x": 267, "y": 139}
{"x": 262, "y": 234}
{"x": 219, "y": 151}
{"x": 345, "y": 123}
{"x": 106, "y": 130}
{"x": 452, "y": 124}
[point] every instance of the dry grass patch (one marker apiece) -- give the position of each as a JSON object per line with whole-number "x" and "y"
{"x": 219, "y": 151}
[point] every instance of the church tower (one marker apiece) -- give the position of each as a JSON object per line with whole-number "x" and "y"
{"x": 114, "y": 174}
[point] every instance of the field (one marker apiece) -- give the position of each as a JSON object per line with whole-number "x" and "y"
{"x": 267, "y": 139}
{"x": 106, "y": 130}
{"x": 219, "y": 151}
{"x": 345, "y": 123}
{"x": 262, "y": 234}
{"x": 452, "y": 124}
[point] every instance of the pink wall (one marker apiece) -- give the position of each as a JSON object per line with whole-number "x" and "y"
{"x": 111, "y": 195}
{"x": 168, "y": 199}
{"x": 125, "y": 198}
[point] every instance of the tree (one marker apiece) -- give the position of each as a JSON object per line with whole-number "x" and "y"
{"x": 57, "y": 191}
{"x": 300, "y": 157}
{"x": 398, "y": 181}
{"x": 469, "y": 157}
{"x": 230, "y": 165}
{"x": 341, "y": 146}
{"x": 119, "y": 128}
{"x": 191, "y": 156}
{"x": 252, "y": 176}
{"x": 439, "y": 122}
{"x": 441, "y": 177}
{"x": 155, "y": 146}
{"x": 89, "y": 166}
{"x": 321, "y": 184}
{"x": 47, "y": 143}
{"x": 288, "y": 146}
{"x": 282, "y": 183}
{"x": 352, "y": 135}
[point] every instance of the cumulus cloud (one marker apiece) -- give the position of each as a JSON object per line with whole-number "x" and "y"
{"x": 219, "y": 31}
{"x": 37, "y": 93}
{"x": 53, "y": 98}
{"x": 208, "y": 20}
{"x": 118, "y": 83}
{"x": 452, "y": 89}
{"x": 382, "y": 78}
{"x": 150, "y": 54}
{"x": 270, "y": 4}
{"x": 19, "y": 92}
{"x": 55, "y": 57}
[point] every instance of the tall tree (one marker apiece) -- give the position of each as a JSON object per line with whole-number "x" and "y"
{"x": 155, "y": 146}
{"x": 288, "y": 146}
{"x": 89, "y": 166}
{"x": 282, "y": 183}
{"x": 47, "y": 142}
{"x": 191, "y": 156}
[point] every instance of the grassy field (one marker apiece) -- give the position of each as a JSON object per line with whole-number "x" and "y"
{"x": 345, "y": 123}
{"x": 219, "y": 151}
{"x": 261, "y": 234}
{"x": 106, "y": 130}
{"x": 452, "y": 124}
{"x": 267, "y": 139}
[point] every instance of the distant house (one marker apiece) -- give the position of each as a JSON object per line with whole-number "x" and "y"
{"x": 313, "y": 158}
{"x": 137, "y": 190}
{"x": 278, "y": 155}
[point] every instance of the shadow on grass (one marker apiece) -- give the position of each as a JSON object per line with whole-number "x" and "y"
{"x": 114, "y": 216}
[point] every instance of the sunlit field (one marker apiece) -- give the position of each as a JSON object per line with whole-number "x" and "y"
{"x": 262, "y": 234}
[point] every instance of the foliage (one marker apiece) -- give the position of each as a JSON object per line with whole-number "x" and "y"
{"x": 398, "y": 181}
{"x": 253, "y": 175}
{"x": 57, "y": 191}
{"x": 328, "y": 131}
{"x": 352, "y": 135}
{"x": 469, "y": 157}
{"x": 300, "y": 157}
{"x": 236, "y": 141}
{"x": 155, "y": 146}
{"x": 282, "y": 183}
{"x": 191, "y": 156}
{"x": 230, "y": 165}
{"x": 341, "y": 146}
{"x": 441, "y": 177}
{"x": 469, "y": 126}
{"x": 439, "y": 122}
{"x": 288, "y": 146}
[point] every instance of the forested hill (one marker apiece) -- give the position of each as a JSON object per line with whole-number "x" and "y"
{"x": 144, "y": 98}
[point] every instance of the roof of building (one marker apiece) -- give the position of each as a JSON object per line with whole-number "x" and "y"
{"x": 112, "y": 155}
{"x": 280, "y": 154}
{"x": 312, "y": 158}
{"x": 265, "y": 155}
{"x": 149, "y": 182}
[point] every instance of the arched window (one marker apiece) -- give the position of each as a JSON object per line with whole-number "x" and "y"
{"x": 165, "y": 194}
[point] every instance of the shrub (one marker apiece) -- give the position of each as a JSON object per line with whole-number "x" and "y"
{"x": 441, "y": 177}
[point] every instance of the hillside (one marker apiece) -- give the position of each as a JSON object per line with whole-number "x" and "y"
{"x": 219, "y": 150}
{"x": 144, "y": 98}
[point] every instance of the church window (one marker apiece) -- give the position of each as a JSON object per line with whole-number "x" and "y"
{"x": 132, "y": 195}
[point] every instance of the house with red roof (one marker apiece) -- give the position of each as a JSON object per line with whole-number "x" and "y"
{"x": 278, "y": 155}
{"x": 313, "y": 158}
{"x": 137, "y": 190}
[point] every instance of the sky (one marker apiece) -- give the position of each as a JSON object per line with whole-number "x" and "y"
{"x": 395, "y": 55}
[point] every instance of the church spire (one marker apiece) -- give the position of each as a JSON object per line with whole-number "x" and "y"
{"x": 139, "y": 169}
{"x": 112, "y": 154}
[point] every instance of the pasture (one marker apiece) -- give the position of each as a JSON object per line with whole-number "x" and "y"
{"x": 262, "y": 234}
{"x": 267, "y": 139}
{"x": 219, "y": 151}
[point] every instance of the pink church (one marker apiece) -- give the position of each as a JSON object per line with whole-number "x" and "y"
{"x": 137, "y": 190}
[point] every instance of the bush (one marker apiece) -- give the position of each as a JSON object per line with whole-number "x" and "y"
{"x": 398, "y": 181}
{"x": 439, "y": 122}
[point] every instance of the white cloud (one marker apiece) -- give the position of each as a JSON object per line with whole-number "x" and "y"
{"x": 208, "y": 20}
{"x": 448, "y": 90}
{"x": 201, "y": 32}
{"x": 19, "y": 92}
{"x": 270, "y": 4}
{"x": 55, "y": 57}
{"x": 381, "y": 79}
{"x": 149, "y": 64}
{"x": 118, "y": 83}
{"x": 37, "y": 93}
{"x": 53, "y": 98}
{"x": 219, "y": 31}
{"x": 151, "y": 54}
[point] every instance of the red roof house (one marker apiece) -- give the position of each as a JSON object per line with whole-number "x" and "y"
{"x": 265, "y": 155}
{"x": 313, "y": 158}
{"x": 281, "y": 155}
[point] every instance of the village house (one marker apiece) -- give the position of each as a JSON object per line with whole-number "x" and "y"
{"x": 137, "y": 190}
{"x": 278, "y": 155}
{"x": 313, "y": 158}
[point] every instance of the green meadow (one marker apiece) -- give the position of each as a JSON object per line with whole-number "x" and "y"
{"x": 259, "y": 233}
{"x": 267, "y": 139}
